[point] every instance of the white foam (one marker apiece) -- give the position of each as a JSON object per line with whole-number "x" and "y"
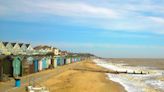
{"x": 129, "y": 85}
{"x": 132, "y": 82}
{"x": 156, "y": 83}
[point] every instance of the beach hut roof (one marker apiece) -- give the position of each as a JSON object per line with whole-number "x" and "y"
{"x": 5, "y": 43}
{"x": 13, "y": 44}
{"x": 20, "y": 44}
{"x": 27, "y": 45}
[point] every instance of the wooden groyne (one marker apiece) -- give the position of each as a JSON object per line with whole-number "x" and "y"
{"x": 109, "y": 71}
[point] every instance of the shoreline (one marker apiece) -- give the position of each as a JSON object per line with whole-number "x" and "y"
{"x": 151, "y": 82}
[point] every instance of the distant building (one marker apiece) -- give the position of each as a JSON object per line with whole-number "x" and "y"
{"x": 8, "y": 48}
{"x": 64, "y": 53}
{"x": 56, "y": 51}
{"x": 3, "y": 49}
{"x": 2, "y": 46}
{"x": 43, "y": 49}
{"x": 16, "y": 48}
{"x": 29, "y": 47}
{"x": 23, "y": 47}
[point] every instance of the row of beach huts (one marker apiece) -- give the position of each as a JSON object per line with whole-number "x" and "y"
{"x": 15, "y": 66}
{"x": 20, "y": 59}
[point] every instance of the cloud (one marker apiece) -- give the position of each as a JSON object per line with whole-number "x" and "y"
{"x": 115, "y": 15}
{"x": 79, "y": 9}
{"x": 2, "y": 10}
{"x": 158, "y": 20}
{"x": 63, "y": 9}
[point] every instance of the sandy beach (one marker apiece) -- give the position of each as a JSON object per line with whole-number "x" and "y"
{"x": 68, "y": 79}
{"x": 82, "y": 81}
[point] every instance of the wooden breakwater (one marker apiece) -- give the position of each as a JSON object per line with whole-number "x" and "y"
{"x": 109, "y": 71}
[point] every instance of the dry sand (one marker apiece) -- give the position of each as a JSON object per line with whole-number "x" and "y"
{"x": 82, "y": 81}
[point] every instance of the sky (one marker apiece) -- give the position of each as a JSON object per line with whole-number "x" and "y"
{"x": 106, "y": 28}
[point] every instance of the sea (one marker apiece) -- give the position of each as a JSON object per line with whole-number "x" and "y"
{"x": 152, "y": 81}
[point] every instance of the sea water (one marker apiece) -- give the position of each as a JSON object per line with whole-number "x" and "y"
{"x": 151, "y": 82}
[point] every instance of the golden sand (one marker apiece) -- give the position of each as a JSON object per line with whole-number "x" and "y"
{"x": 82, "y": 81}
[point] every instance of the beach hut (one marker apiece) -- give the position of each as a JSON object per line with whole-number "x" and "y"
{"x": 61, "y": 60}
{"x": 16, "y": 48}
{"x": 58, "y": 61}
{"x": 54, "y": 60}
{"x": 23, "y": 47}
{"x": 44, "y": 63}
{"x": 40, "y": 67}
{"x": 48, "y": 62}
{"x": 79, "y": 59}
{"x": 31, "y": 64}
{"x": 68, "y": 60}
{"x": 9, "y": 46}
{"x": 75, "y": 59}
{"x": 16, "y": 64}
{"x": 64, "y": 61}
{"x": 72, "y": 59}
{"x": 36, "y": 65}
{"x": 25, "y": 67}
{"x": 7, "y": 66}
{"x": 1, "y": 68}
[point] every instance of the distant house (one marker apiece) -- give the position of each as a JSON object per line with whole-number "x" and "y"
{"x": 16, "y": 46}
{"x": 8, "y": 48}
{"x": 5, "y": 48}
{"x": 20, "y": 45}
{"x": 29, "y": 47}
{"x": 2, "y": 46}
{"x": 56, "y": 51}
{"x": 60, "y": 52}
{"x": 23, "y": 47}
{"x": 43, "y": 49}
{"x": 13, "y": 44}
{"x": 64, "y": 53}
